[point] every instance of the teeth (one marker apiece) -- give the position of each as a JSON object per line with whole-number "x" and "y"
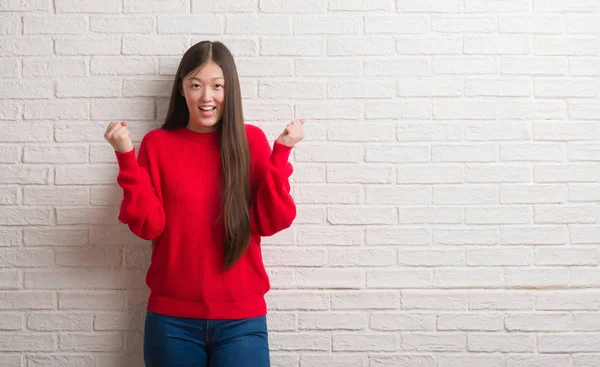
{"x": 208, "y": 108}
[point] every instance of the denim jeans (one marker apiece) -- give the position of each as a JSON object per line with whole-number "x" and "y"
{"x": 186, "y": 342}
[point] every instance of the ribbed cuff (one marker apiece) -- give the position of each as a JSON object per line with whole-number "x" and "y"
{"x": 280, "y": 154}
{"x": 126, "y": 160}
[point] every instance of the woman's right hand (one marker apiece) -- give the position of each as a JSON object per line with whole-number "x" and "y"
{"x": 117, "y": 134}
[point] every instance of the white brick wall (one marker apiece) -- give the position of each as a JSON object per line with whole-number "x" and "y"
{"x": 448, "y": 188}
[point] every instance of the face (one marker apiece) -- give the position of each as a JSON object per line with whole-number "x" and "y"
{"x": 204, "y": 92}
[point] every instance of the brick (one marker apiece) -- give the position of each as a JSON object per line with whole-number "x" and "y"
{"x": 57, "y": 279}
{"x": 565, "y": 46}
{"x": 397, "y": 24}
{"x": 569, "y": 343}
{"x": 434, "y": 300}
{"x": 360, "y": 131}
{"x": 26, "y": 46}
{"x": 27, "y": 342}
{"x": 463, "y": 194}
{"x": 54, "y": 67}
{"x": 331, "y": 360}
{"x": 123, "y": 109}
{"x": 11, "y": 322}
{"x": 274, "y": 256}
{"x": 258, "y": 25}
{"x": 429, "y": 87}
{"x": 126, "y": 65}
{"x": 11, "y": 174}
{"x": 390, "y": 66}
{"x": 359, "y": 5}
{"x": 59, "y": 321}
{"x": 319, "y": 67}
{"x": 546, "y": 235}
{"x": 329, "y": 278}
{"x": 56, "y": 237}
{"x": 362, "y": 45}
{"x": 55, "y": 154}
{"x": 104, "y": 24}
{"x": 538, "y": 277}
{"x": 465, "y": 65}
{"x": 194, "y": 24}
{"x": 297, "y": 46}
{"x": 96, "y": 342}
{"x": 10, "y": 237}
{"x": 58, "y": 24}
{"x": 361, "y": 257}
{"x": 88, "y": 46}
{"x": 291, "y": 89}
{"x": 565, "y": 214}
{"x": 92, "y": 300}
{"x": 537, "y": 360}
{"x": 223, "y": 6}
{"x": 463, "y": 24}
{"x": 501, "y": 342}
{"x": 429, "y": 6}
{"x": 493, "y": 6}
{"x": 497, "y": 45}
{"x": 26, "y": 216}
{"x": 410, "y": 257}
{"x": 418, "y": 174}
{"x": 473, "y": 360}
{"x": 10, "y": 25}
{"x": 446, "y": 342}
{"x": 367, "y": 89}
{"x": 428, "y": 215}
{"x": 488, "y": 173}
{"x": 56, "y": 110}
{"x": 534, "y": 65}
{"x": 399, "y": 110}
{"x": 327, "y": 194}
{"x": 365, "y": 342}
{"x": 429, "y": 46}
{"x": 156, "y": 6}
{"x": 401, "y": 195}
{"x": 537, "y": 24}
{"x": 465, "y": 109}
{"x": 584, "y": 66}
{"x": 498, "y": 88}
{"x": 327, "y": 24}
{"x": 402, "y": 321}
{"x": 19, "y": 5}
{"x": 411, "y": 278}
{"x": 538, "y": 322}
{"x": 331, "y": 321}
{"x": 9, "y": 67}
{"x": 59, "y": 360}
{"x": 109, "y": 258}
{"x": 501, "y": 300}
{"x": 87, "y": 6}
{"x": 298, "y": 300}
{"x": 330, "y": 237}
{"x": 470, "y": 322}
{"x": 300, "y": 342}
{"x": 532, "y": 194}
{"x": 404, "y": 360}
{"x": 26, "y": 258}
{"x": 465, "y": 237}
{"x": 552, "y": 6}
{"x": 154, "y": 45}
{"x": 468, "y": 278}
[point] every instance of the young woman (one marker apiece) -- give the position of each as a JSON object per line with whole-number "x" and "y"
{"x": 205, "y": 187}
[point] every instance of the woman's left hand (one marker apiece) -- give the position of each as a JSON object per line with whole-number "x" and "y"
{"x": 293, "y": 133}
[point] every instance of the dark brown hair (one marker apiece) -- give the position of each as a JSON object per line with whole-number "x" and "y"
{"x": 235, "y": 157}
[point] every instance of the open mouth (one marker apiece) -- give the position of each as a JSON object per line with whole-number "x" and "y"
{"x": 207, "y": 111}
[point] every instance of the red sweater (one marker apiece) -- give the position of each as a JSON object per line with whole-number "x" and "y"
{"x": 171, "y": 194}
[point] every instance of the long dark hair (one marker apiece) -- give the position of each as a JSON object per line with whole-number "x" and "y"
{"x": 235, "y": 156}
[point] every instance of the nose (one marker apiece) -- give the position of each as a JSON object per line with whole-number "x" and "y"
{"x": 206, "y": 95}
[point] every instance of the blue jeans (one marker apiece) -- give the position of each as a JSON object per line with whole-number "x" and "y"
{"x": 186, "y": 342}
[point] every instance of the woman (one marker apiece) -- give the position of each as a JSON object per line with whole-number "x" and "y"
{"x": 205, "y": 187}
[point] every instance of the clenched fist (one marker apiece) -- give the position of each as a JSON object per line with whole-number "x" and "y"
{"x": 293, "y": 133}
{"x": 117, "y": 134}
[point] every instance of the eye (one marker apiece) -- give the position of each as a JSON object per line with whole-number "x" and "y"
{"x": 218, "y": 86}
{"x": 195, "y": 85}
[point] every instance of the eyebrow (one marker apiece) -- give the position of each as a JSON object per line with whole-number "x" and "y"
{"x": 215, "y": 78}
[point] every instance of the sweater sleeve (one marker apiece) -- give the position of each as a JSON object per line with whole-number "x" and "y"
{"x": 141, "y": 208}
{"x": 272, "y": 208}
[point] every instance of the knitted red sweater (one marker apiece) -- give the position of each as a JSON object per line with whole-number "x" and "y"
{"x": 171, "y": 194}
